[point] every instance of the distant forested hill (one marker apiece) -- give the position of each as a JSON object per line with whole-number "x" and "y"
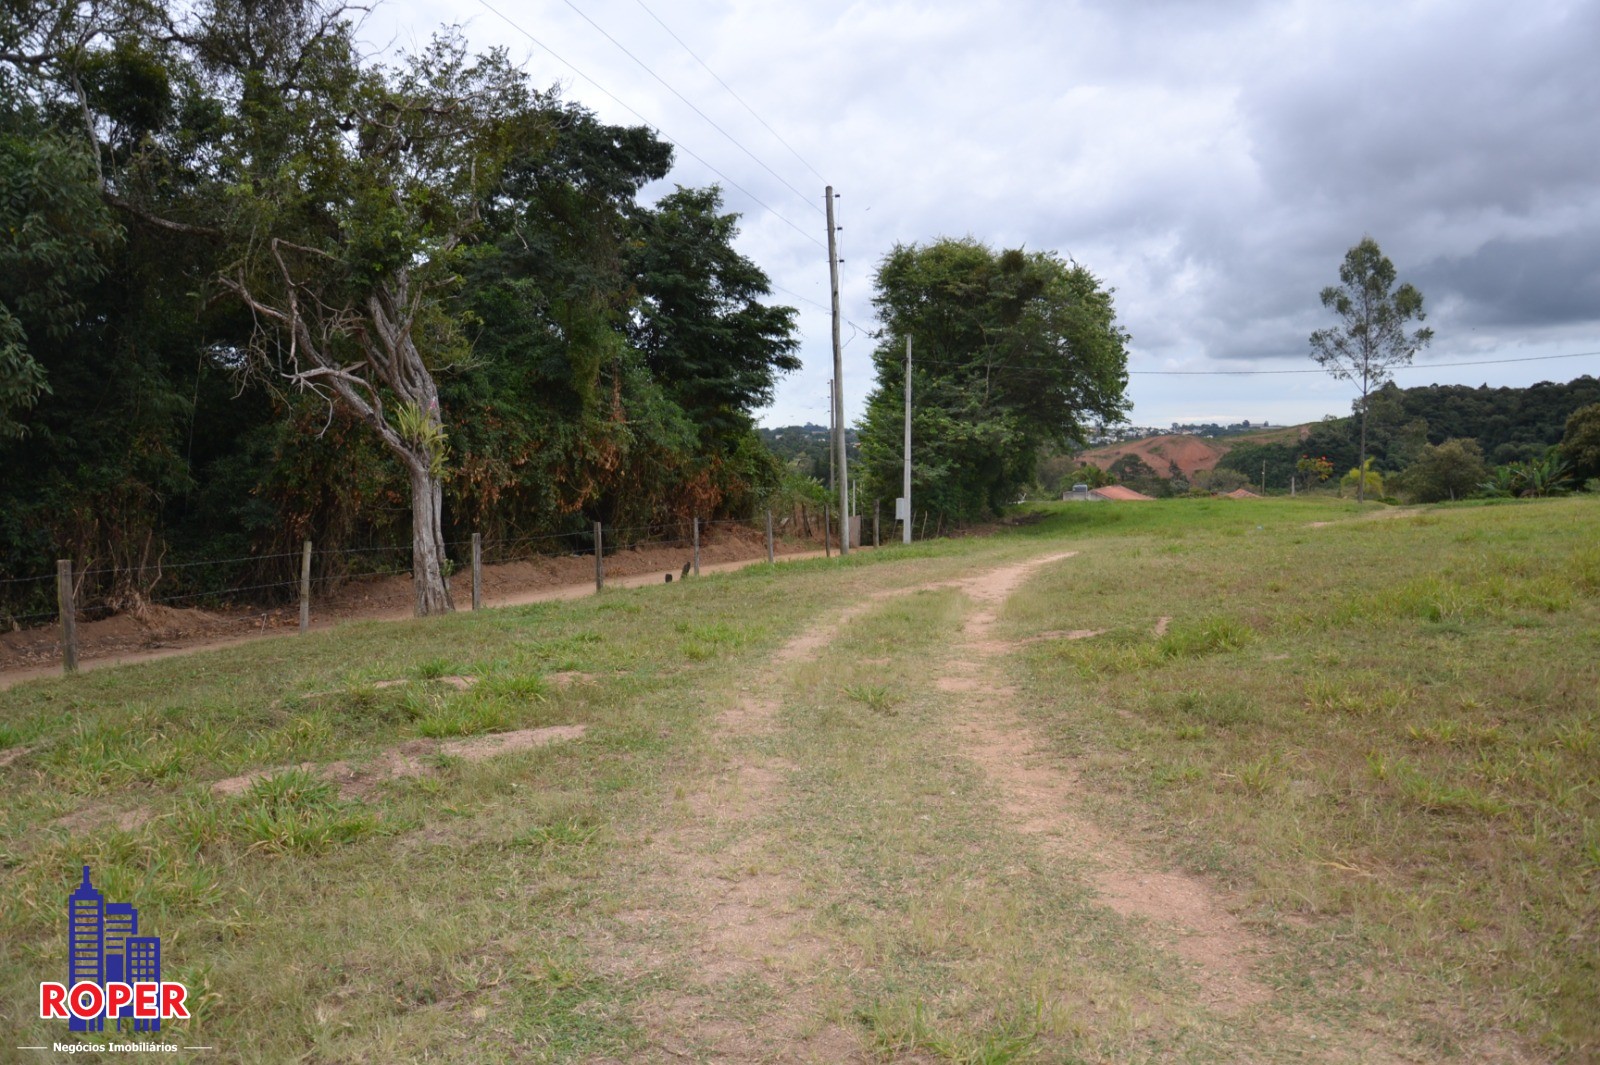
{"x": 1509, "y": 424}
{"x": 805, "y": 447}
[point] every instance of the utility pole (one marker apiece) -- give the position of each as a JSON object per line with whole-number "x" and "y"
{"x": 905, "y": 526}
{"x": 838, "y": 383}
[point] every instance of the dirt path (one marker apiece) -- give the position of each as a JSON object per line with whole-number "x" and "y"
{"x": 736, "y": 899}
{"x": 1039, "y": 800}
{"x": 117, "y": 653}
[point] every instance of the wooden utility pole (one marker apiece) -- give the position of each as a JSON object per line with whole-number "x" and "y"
{"x": 838, "y": 383}
{"x": 769, "y": 538}
{"x": 599, "y": 558}
{"x": 905, "y": 526}
{"x": 697, "y": 547}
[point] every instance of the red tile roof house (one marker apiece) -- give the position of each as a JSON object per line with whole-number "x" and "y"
{"x": 1117, "y": 493}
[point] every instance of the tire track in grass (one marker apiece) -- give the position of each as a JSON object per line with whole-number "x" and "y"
{"x": 722, "y": 891}
{"x": 1039, "y": 798}
{"x": 722, "y": 886}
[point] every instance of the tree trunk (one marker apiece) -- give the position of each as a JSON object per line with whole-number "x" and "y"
{"x": 427, "y": 543}
{"x": 1361, "y": 461}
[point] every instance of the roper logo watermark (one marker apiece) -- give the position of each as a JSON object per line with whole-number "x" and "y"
{"x": 114, "y": 973}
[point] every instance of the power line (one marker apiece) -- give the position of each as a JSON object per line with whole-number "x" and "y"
{"x": 657, "y": 129}
{"x": 796, "y": 295}
{"x": 1411, "y": 366}
{"x": 646, "y": 67}
{"x": 735, "y": 95}
{"x": 970, "y": 364}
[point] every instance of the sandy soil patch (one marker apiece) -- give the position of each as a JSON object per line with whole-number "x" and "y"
{"x": 356, "y": 778}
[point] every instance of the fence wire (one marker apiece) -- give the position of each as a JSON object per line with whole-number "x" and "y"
{"x": 24, "y": 606}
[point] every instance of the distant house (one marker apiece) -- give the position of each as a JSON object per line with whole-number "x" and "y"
{"x": 1116, "y": 493}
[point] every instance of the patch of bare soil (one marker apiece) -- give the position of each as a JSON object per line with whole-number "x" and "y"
{"x": 413, "y": 758}
{"x": 100, "y": 814}
{"x": 1065, "y": 634}
{"x": 1190, "y": 453}
{"x": 356, "y": 779}
{"x": 1383, "y": 514}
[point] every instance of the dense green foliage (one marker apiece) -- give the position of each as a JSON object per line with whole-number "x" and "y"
{"x": 1012, "y": 350}
{"x": 1507, "y": 425}
{"x": 583, "y": 354}
{"x": 1580, "y": 442}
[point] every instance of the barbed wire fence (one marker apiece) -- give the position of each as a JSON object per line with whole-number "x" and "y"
{"x": 255, "y": 591}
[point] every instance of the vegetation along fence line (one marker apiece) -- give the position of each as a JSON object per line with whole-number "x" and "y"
{"x": 94, "y": 593}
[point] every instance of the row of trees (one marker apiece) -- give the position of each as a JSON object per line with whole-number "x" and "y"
{"x": 253, "y": 285}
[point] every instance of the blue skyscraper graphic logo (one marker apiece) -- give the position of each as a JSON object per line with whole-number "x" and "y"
{"x": 104, "y": 946}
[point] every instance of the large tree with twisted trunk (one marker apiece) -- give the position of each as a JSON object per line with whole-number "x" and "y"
{"x": 362, "y": 189}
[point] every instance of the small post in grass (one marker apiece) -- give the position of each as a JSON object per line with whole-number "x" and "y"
{"x": 69, "y": 616}
{"x": 827, "y": 532}
{"x": 770, "y": 558}
{"x": 305, "y": 587}
{"x": 877, "y": 505}
{"x": 599, "y": 559}
{"x": 697, "y": 547}
{"x": 477, "y": 571}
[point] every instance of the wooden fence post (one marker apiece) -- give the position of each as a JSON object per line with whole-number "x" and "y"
{"x": 770, "y": 558}
{"x": 827, "y": 532}
{"x": 477, "y": 571}
{"x": 877, "y": 505}
{"x": 697, "y": 547}
{"x": 924, "y": 535}
{"x": 599, "y": 559}
{"x": 69, "y": 616}
{"x": 305, "y": 587}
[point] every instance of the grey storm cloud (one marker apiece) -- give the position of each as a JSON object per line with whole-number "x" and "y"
{"x": 1517, "y": 283}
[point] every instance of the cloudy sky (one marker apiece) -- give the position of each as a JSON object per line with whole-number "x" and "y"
{"x": 1211, "y": 161}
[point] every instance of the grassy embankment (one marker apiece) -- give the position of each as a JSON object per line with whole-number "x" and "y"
{"x": 1379, "y": 741}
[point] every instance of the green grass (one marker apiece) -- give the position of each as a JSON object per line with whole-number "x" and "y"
{"x": 1380, "y": 738}
{"x": 1399, "y": 749}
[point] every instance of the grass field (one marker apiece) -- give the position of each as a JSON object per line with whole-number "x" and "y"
{"x": 1193, "y": 780}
